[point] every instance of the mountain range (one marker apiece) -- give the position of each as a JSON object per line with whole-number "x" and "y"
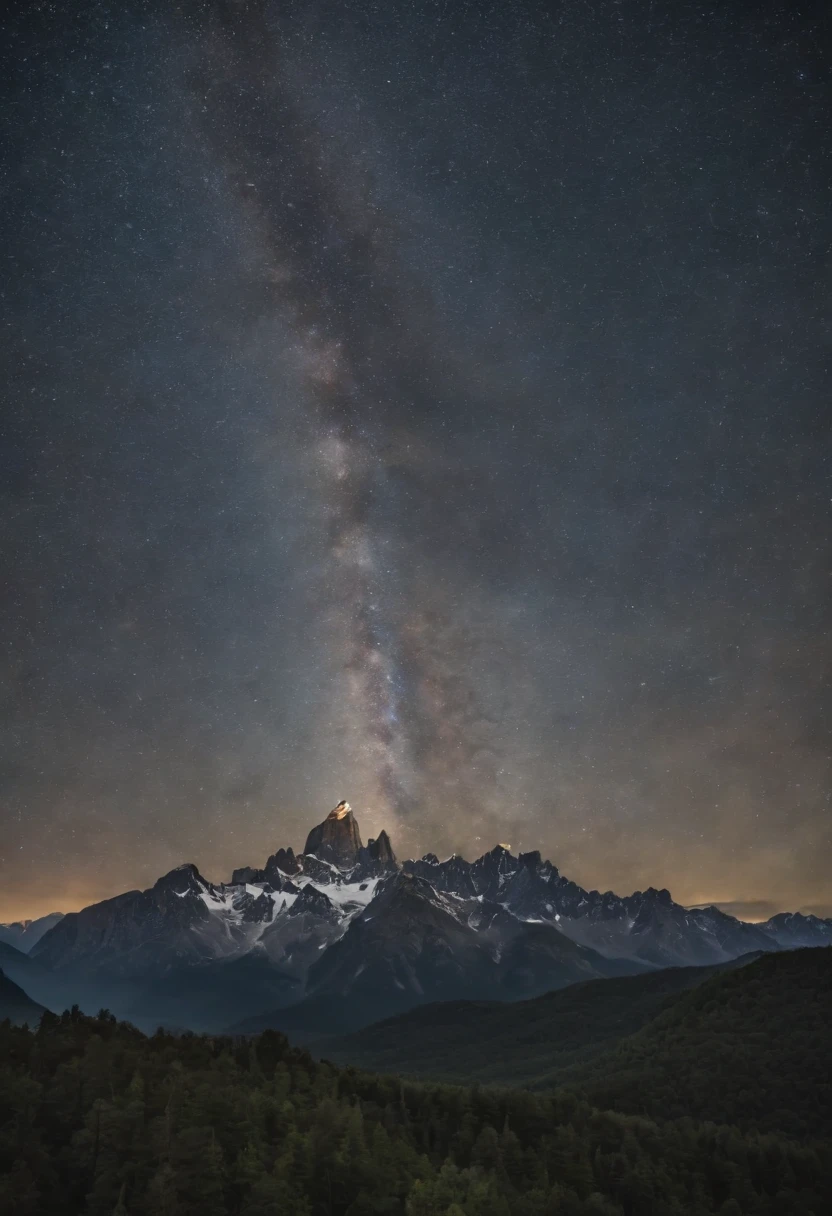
{"x": 343, "y": 934}
{"x": 23, "y": 934}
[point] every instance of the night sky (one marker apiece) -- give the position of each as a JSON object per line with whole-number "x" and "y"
{"x": 424, "y": 404}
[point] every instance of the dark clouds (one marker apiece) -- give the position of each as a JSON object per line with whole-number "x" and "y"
{"x": 425, "y": 406}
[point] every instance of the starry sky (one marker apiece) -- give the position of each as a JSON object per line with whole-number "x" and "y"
{"x": 426, "y": 405}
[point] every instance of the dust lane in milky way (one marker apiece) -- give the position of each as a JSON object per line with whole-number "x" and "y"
{"x": 375, "y": 374}
{"x": 425, "y": 406}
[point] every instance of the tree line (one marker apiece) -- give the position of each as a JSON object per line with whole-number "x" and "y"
{"x": 97, "y": 1119}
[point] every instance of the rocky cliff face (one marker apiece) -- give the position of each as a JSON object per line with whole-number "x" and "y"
{"x": 337, "y": 839}
{"x": 176, "y": 922}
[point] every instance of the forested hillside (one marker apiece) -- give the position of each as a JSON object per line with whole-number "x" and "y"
{"x": 527, "y": 1043}
{"x": 98, "y": 1120}
{"x": 751, "y": 1046}
{"x": 745, "y": 1044}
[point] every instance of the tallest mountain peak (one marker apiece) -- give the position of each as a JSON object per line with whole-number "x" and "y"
{"x": 337, "y": 839}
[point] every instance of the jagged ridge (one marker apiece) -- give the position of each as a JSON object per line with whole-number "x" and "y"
{"x": 344, "y": 926}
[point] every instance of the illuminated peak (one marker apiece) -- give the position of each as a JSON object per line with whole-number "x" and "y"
{"x": 336, "y": 840}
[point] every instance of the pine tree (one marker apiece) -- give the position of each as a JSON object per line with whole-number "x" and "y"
{"x": 121, "y": 1207}
{"x": 197, "y": 1164}
{"x": 161, "y": 1193}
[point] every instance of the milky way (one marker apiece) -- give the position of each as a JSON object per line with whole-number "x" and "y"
{"x": 323, "y": 252}
{"x": 425, "y": 407}
{"x": 329, "y": 272}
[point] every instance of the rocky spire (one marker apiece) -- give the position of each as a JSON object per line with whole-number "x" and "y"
{"x": 377, "y": 857}
{"x": 337, "y": 839}
{"x": 381, "y": 850}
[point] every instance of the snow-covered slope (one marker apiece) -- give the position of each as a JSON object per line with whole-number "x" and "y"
{"x": 185, "y": 919}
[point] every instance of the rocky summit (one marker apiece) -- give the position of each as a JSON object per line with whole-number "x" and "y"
{"x": 337, "y": 839}
{"x": 342, "y": 934}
